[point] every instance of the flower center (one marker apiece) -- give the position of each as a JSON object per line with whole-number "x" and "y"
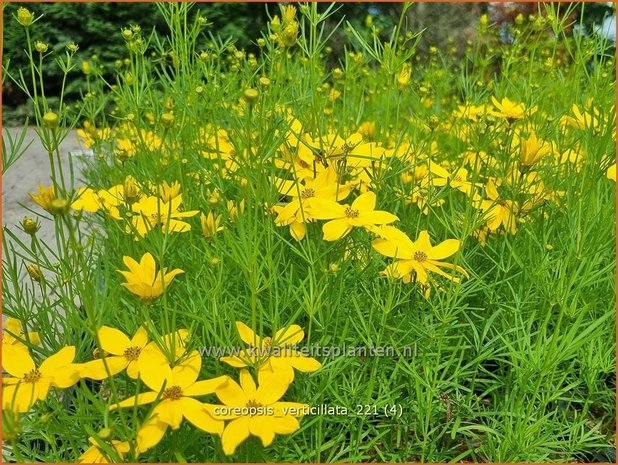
{"x": 132, "y": 353}
{"x": 32, "y": 376}
{"x": 254, "y": 408}
{"x": 351, "y": 213}
{"x": 307, "y": 193}
{"x": 420, "y": 256}
{"x": 173, "y": 393}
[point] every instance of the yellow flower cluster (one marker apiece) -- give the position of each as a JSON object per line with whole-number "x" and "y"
{"x": 170, "y": 370}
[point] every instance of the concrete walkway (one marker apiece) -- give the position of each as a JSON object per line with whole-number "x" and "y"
{"x": 23, "y": 176}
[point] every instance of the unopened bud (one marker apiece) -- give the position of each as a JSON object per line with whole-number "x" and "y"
{"x": 41, "y": 47}
{"x": 34, "y": 272}
{"x": 30, "y": 226}
{"x": 59, "y": 207}
{"x": 105, "y": 434}
{"x": 25, "y": 17}
{"x": 251, "y": 95}
{"x": 167, "y": 120}
{"x": 51, "y": 120}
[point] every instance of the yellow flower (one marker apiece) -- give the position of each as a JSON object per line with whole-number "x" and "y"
{"x": 403, "y": 78}
{"x": 29, "y": 383}
{"x": 510, "y": 110}
{"x": 304, "y": 194}
{"x": 255, "y": 410}
{"x": 532, "y": 150}
{"x": 276, "y": 354}
{"x": 167, "y": 191}
{"x": 175, "y": 391}
{"x": 143, "y": 280}
{"x": 45, "y": 197}
{"x": 498, "y": 211}
{"x": 234, "y": 210}
{"x": 582, "y": 120}
{"x": 344, "y": 218}
{"x": 94, "y": 454}
{"x": 210, "y": 225}
{"x": 87, "y": 199}
{"x": 417, "y": 258}
{"x": 150, "y": 212}
{"x": 120, "y": 353}
{"x": 14, "y": 335}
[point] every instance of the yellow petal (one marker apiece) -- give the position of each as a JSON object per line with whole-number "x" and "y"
{"x": 16, "y": 361}
{"x": 61, "y": 359}
{"x": 247, "y": 384}
{"x": 150, "y": 434}
{"x": 235, "y": 433}
{"x": 206, "y": 386}
{"x": 231, "y": 394}
{"x": 262, "y": 427}
{"x": 186, "y": 373}
{"x": 272, "y": 388}
{"x": 140, "y": 338}
{"x": 336, "y": 229}
{"x": 140, "y": 399}
{"x": 247, "y": 335}
{"x": 96, "y": 369}
{"x": 444, "y": 249}
{"x": 19, "y": 397}
{"x": 291, "y": 335}
{"x": 113, "y": 340}
{"x": 170, "y": 412}
{"x": 365, "y": 203}
{"x": 197, "y": 415}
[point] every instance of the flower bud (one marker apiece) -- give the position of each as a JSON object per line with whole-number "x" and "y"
{"x": 337, "y": 73}
{"x": 51, "y": 120}
{"x": 41, "y": 47}
{"x": 127, "y": 34}
{"x": 167, "y": 120}
{"x": 30, "y": 226}
{"x": 250, "y": 95}
{"x": 72, "y": 47}
{"x": 275, "y": 24}
{"x": 59, "y": 207}
{"x": 131, "y": 190}
{"x": 199, "y": 90}
{"x": 264, "y": 82}
{"x": 25, "y": 17}
{"x": 261, "y": 42}
{"x": 34, "y": 272}
{"x": 105, "y": 434}
{"x": 86, "y": 68}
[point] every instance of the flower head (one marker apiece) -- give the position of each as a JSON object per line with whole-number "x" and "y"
{"x": 273, "y": 354}
{"x": 119, "y": 352}
{"x": 143, "y": 280}
{"x": 416, "y": 258}
{"x": 343, "y": 218}
{"x": 29, "y": 383}
{"x": 255, "y": 410}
